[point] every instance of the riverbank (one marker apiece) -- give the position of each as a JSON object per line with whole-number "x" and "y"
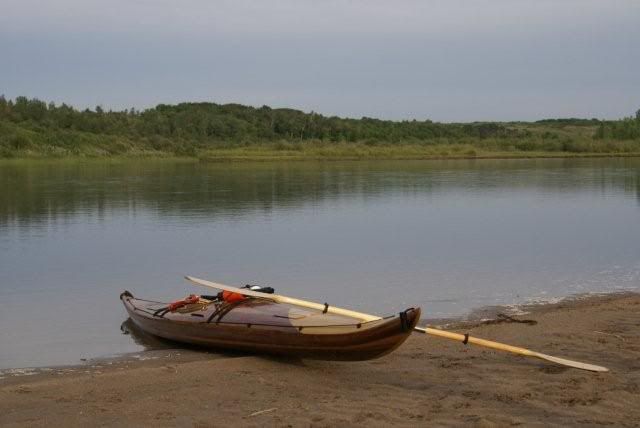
{"x": 402, "y": 152}
{"x": 427, "y": 380}
{"x": 330, "y": 152}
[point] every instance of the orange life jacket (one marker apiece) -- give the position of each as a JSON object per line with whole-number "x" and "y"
{"x": 231, "y": 297}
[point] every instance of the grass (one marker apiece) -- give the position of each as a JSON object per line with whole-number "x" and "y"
{"x": 359, "y": 151}
{"x": 542, "y": 141}
{"x": 339, "y": 151}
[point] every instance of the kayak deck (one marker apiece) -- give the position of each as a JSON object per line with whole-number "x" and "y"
{"x": 263, "y": 326}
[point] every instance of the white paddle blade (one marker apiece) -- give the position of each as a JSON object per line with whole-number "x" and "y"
{"x": 569, "y": 363}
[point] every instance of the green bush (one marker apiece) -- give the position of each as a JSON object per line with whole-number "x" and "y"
{"x": 20, "y": 142}
{"x": 185, "y": 150}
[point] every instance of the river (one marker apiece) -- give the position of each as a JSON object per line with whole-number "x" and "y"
{"x": 379, "y": 236}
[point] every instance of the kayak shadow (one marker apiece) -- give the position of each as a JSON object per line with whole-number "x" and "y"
{"x": 144, "y": 339}
{"x": 282, "y": 359}
{"x": 153, "y": 343}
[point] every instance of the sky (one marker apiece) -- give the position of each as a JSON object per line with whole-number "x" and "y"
{"x": 444, "y": 60}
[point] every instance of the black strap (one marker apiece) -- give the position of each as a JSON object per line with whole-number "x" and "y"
{"x": 161, "y": 312}
{"x": 466, "y": 338}
{"x": 326, "y": 308}
{"x": 224, "y": 309}
{"x": 404, "y": 322}
{"x": 215, "y": 312}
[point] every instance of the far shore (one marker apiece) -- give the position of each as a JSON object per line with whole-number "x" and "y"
{"x": 426, "y": 381}
{"x": 234, "y": 132}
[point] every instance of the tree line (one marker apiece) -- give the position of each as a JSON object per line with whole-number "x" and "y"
{"x": 32, "y": 124}
{"x": 235, "y": 122}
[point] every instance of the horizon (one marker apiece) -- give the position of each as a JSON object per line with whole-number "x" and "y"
{"x": 488, "y": 61}
{"x": 140, "y": 110}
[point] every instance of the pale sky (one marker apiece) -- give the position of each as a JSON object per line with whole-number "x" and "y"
{"x": 448, "y": 60}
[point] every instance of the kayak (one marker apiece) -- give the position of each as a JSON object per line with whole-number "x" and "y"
{"x": 261, "y": 325}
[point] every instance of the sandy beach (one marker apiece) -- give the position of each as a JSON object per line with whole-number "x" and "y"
{"x": 426, "y": 381}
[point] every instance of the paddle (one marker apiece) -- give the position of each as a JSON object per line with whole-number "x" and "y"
{"x": 464, "y": 338}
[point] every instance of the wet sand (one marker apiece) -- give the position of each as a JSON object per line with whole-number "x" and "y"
{"x": 428, "y": 381}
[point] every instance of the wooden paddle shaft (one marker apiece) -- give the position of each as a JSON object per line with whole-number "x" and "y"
{"x": 327, "y": 308}
{"x": 476, "y": 341}
{"x": 285, "y": 299}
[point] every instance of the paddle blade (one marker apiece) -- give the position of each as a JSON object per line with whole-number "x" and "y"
{"x": 510, "y": 348}
{"x": 569, "y": 363}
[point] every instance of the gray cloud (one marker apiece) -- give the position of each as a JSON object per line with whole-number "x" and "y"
{"x": 444, "y": 60}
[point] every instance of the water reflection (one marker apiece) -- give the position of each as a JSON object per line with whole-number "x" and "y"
{"x": 38, "y": 192}
{"x": 144, "y": 339}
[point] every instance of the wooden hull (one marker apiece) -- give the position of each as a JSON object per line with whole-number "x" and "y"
{"x": 262, "y": 326}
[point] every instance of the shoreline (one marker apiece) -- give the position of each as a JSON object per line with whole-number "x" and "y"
{"x": 425, "y": 380}
{"x": 518, "y": 156}
{"x": 275, "y": 156}
{"x": 160, "y": 348}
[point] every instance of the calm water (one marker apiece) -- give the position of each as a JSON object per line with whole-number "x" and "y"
{"x": 377, "y": 237}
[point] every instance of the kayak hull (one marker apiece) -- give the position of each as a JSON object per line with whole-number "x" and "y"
{"x": 262, "y": 326}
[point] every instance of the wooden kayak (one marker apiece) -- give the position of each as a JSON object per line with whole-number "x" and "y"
{"x": 264, "y": 326}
